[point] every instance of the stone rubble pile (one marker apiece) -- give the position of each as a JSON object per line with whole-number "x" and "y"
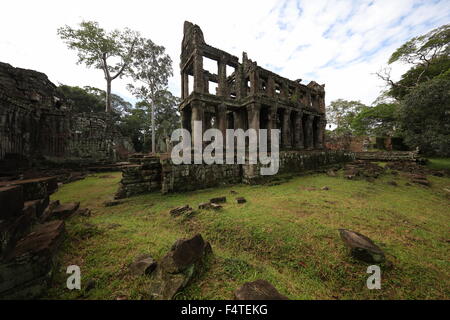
{"x": 31, "y": 231}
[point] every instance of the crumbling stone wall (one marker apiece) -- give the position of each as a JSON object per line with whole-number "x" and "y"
{"x": 154, "y": 174}
{"x": 35, "y": 124}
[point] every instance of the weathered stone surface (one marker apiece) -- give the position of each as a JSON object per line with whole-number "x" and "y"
{"x": 325, "y": 188}
{"x": 85, "y": 212}
{"x": 180, "y": 210}
{"x": 241, "y": 200}
{"x": 65, "y": 210}
{"x": 218, "y": 200}
{"x": 361, "y": 247}
{"x": 215, "y": 206}
{"x": 258, "y": 290}
{"x": 11, "y": 201}
{"x": 37, "y": 125}
{"x": 39, "y": 204}
{"x": 205, "y": 205}
{"x": 34, "y": 189}
{"x": 143, "y": 264}
{"x": 26, "y": 272}
{"x": 363, "y": 169}
{"x": 176, "y": 269}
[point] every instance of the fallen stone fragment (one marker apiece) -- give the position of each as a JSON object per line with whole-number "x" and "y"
{"x": 180, "y": 210}
{"x": 325, "y": 188}
{"x": 84, "y": 212}
{"x": 205, "y": 205}
{"x": 216, "y": 206}
{"x": 233, "y": 192}
{"x": 112, "y": 203}
{"x": 421, "y": 182}
{"x": 331, "y": 173}
{"x": 218, "y": 200}
{"x": 241, "y": 200}
{"x": 26, "y": 271}
{"x": 143, "y": 264}
{"x": 361, "y": 247}
{"x": 65, "y": 210}
{"x": 185, "y": 259}
{"x": 258, "y": 290}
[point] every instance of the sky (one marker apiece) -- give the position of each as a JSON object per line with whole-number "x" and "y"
{"x": 339, "y": 43}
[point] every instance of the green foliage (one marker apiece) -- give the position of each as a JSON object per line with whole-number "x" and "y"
{"x": 439, "y": 67}
{"x": 424, "y": 48}
{"x": 342, "y": 113}
{"x": 90, "y": 99}
{"x": 425, "y": 117}
{"x": 379, "y": 120}
{"x": 136, "y": 123}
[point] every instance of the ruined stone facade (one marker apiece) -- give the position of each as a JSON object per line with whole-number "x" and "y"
{"x": 35, "y": 124}
{"x": 247, "y": 96}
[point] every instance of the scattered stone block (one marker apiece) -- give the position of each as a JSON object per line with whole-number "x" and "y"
{"x": 65, "y": 210}
{"x": 180, "y": 210}
{"x": 218, "y": 200}
{"x": 240, "y": 200}
{"x": 143, "y": 264}
{"x": 325, "y": 188}
{"x": 26, "y": 271}
{"x": 205, "y": 205}
{"x": 361, "y": 247}
{"x": 216, "y": 206}
{"x": 331, "y": 173}
{"x": 258, "y": 290}
{"x": 185, "y": 259}
{"x": 423, "y": 182}
{"x": 84, "y": 212}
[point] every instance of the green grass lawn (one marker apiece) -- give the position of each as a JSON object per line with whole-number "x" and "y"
{"x": 286, "y": 234}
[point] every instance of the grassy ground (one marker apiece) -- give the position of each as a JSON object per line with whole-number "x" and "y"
{"x": 286, "y": 234}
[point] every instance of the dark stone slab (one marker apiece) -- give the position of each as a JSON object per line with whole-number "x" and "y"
{"x": 218, "y": 200}
{"x": 143, "y": 264}
{"x": 258, "y": 290}
{"x": 176, "y": 269}
{"x": 65, "y": 210}
{"x": 361, "y": 247}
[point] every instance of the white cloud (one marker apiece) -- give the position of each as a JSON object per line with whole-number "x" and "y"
{"x": 339, "y": 43}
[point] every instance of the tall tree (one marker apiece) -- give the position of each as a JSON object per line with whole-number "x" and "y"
{"x": 152, "y": 68}
{"x": 112, "y": 52}
{"x": 428, "y": 55}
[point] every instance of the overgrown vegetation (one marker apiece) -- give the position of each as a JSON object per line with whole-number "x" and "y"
{"x": 286, "y": 234}
{"x": 415, "y": 108}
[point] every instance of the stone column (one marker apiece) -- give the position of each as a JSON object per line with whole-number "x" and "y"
{"x": 239, "y": 120}
{"x": 222, "y": 119}
{"x": 270, "y": 87}
{"x": 309, "y": 139}
{"x": 253, "y": 115}
{"x": 272, "y": 123}
{"x": 222, "y": 76}
{"x": 184, "y": 85}
{"x": 286, "y": 129}
{"x": 198, "y": 71}
{"x": 321, "y": 125}
{"x": 197, "y": 115}
{"x": 299, "y": 131}
{"x": 254, "y": 82}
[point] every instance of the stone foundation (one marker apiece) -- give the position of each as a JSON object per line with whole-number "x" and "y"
{"x": 151, "y": 173}
{"x": 388, "y": 156}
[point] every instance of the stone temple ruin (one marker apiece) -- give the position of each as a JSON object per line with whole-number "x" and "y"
{"x": 247, "y": 97}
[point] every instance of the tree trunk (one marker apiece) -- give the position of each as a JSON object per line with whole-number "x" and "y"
{"x": 153, "y": 129}
{"x": 108, "y": 96}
